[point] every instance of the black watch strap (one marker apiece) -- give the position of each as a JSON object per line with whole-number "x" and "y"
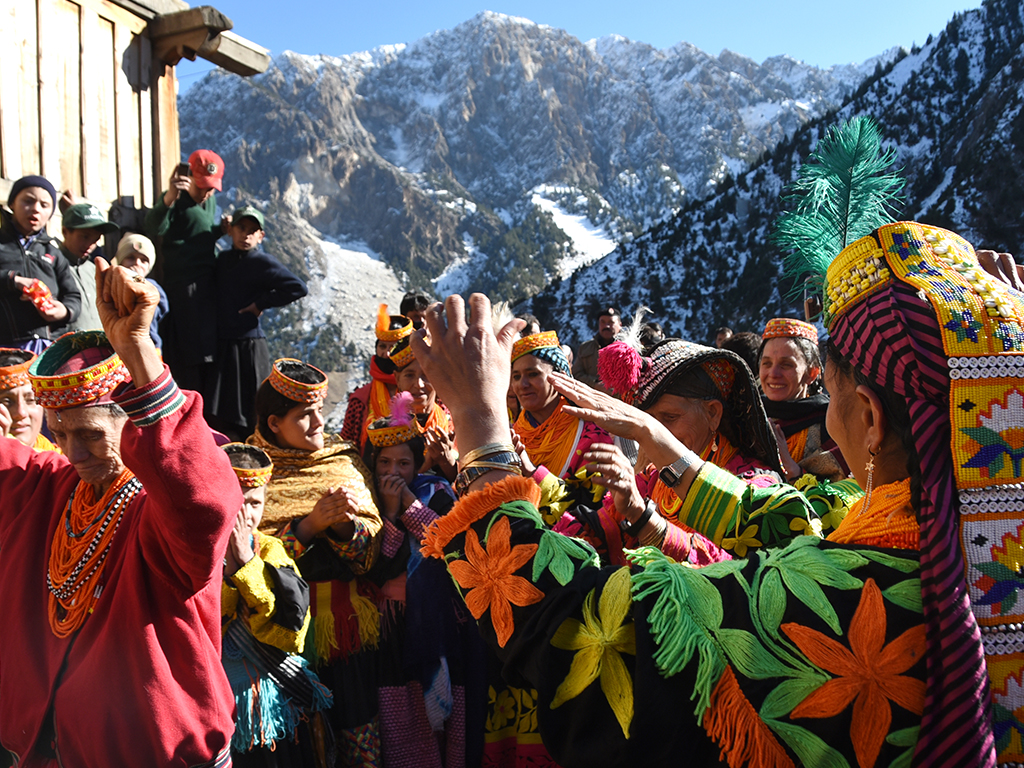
{"x": 634, "y": 529}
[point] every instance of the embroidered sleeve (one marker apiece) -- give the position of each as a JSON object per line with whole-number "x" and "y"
{"x": 292, "y": 546}
{"x": 157, "y": 400}
{"x": 391, "y": 540}
{"x": 740, "y": 517}
{"x": 356, "y": 549}
{"x": 416, "y": 519}
{"x": 558, "y": 496}
{"x": 355, "y": 413}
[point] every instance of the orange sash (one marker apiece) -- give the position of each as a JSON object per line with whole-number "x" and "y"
{"x": 553, "y": 442}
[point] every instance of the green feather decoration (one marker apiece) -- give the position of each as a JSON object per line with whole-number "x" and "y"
{"x": 843, "y": 192}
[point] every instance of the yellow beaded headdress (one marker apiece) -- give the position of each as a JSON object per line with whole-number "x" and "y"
{"x": 384, "y": 329}
{"x": 298, "y": 391}
{"x": 545, "y": 346}
{"x": 787, "y": 328}
{"x": 78, "y": 369}
{"x": 250, "y": 477}
{"x": 16, "y": 374}
{"x": 400, "y": 427}
{"x": 402, "y": 354}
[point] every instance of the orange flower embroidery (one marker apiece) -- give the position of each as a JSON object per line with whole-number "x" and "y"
{"x": 489, "y": 577}
{"x": 868, "y": 674}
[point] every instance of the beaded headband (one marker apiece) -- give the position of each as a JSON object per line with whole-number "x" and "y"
{"x": 402, "y": 354}
{"x": 384, "y": 330}
{"x": 298, "y": 391}
{"x": 787, "y": 328}
{"x": 15, "y": 375}
{"x": 69, "y": 390}
{"x": 388, "y": 435}
{"x": 530, "y": 344}
{"x": 250, "y": 477}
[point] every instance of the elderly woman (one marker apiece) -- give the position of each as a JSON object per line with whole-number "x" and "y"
{"x": 113, "y": 556}
{"x": 40, "y": 294}
{"x": 707, "y": 400}
{"x": 789, "y": 366}
{"x": 862, "y": 649}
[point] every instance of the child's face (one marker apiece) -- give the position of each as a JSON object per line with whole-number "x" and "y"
{"x": 252, "y": 507}
{"x": 246, "y": 234}
{"x": 397, "y": 460}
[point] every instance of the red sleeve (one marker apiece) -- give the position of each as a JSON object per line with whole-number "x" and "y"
{"x": 192, "y": 494}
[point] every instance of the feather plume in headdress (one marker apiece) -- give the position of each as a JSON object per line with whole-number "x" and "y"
{"x": 383, "y": 320}
{"x": 401, "y": 409}
{"x": 843, "y": 192}
{"x": 620, "y": 363}
{"x": 501, "y": 315}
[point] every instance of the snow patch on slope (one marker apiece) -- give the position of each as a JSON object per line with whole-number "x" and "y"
{"x": 590, "y": 241}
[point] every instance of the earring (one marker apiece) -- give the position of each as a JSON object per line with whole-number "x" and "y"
{"x": 870, "y": 467}
{"x": 714, "y": 443}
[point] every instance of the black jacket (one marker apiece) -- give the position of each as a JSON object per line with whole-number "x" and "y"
{"x": 19, "y": 320}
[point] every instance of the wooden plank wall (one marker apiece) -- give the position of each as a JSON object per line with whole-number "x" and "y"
{"x": 83, "y": 103}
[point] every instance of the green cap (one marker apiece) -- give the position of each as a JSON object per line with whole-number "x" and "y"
{"x": 248, "y": 212}
{"x": 86, "y": 215}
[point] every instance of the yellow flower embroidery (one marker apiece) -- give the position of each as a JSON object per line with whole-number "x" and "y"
{"x": 806, "y": 527}
{"x": 743, "y": 541}
{"x": 598, "y": 641}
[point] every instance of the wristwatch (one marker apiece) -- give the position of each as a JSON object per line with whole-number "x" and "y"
{"x": 671, "y": 474}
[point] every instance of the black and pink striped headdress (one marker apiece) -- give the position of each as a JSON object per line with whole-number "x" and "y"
{"x": 910, "y": 308}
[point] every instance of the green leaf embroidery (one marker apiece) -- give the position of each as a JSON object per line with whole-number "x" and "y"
{"x": 787, "y": 694}
{"x": 749, "y": 656}
{"x": 815, "y": 564}
{"x": 901, "y": 564}
{"x": 810, "y": 594}
{"x": 845, "y": 559}
{"x": 809, "y": 748}
{"x": 772, "y": 601}
{"x": 905, "y": 738}
{"x": 555, "y": 553}
{"x": 906, "y": 594}
{"x": 520, "y": 509}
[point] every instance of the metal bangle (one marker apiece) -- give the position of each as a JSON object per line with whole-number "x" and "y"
{"x": 485, "y": 450}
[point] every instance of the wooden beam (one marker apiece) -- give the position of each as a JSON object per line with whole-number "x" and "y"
{"x": 148, "y": 169}
{"x": 235, "y": 54}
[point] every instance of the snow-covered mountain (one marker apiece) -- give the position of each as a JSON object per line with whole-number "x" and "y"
{"x": 952, "y": 109}
{"x": 497, "y": 156}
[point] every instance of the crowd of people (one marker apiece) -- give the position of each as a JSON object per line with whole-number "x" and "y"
{"x": 766, "y": 552}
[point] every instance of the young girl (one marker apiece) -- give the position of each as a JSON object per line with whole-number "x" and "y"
{"x": 320, "y": 501}
{"x": 264, "y": 619}
{"x": 431, "y": 656}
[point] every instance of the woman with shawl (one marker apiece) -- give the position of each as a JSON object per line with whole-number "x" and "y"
{"x": 554, "y": 441}
{"x": 789, "y": 368}
{"x": 320, "y": 502}
{"x": 431, "y": 655}
{"x": 859, "y": 650}
{"x": 17, "y": 397}
{"x": 708, "y": 400}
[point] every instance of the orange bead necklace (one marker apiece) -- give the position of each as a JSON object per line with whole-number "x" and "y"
{"x": 76, "y": 561}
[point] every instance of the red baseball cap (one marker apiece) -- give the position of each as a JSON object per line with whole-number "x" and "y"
{"x": 207, "y": 169}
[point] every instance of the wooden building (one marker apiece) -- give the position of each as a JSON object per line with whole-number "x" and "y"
{"x": 88, "y": 95}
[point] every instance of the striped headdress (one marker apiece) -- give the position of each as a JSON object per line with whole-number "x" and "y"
{"x": 79, "y": 369}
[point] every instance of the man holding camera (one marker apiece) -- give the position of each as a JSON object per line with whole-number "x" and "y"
{"x": 185, "y": 217}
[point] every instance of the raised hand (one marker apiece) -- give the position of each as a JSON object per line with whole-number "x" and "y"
{"x": 602, "y": 409}
{"x": 126, "y": 302}
{"x": 395, "y": 496}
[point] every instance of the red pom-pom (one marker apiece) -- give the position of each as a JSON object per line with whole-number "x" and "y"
{"x": 619, "y": 366}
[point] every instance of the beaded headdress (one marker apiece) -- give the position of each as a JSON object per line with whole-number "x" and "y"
{"x": 250, "y": 477}
{"x": 544, "y": 346}
{"x": 16, "y": 374}
{"x": 78, "y": 369}
{"x": 384, "y": 329}
{"x": 400, "y": 427}
{"x": 908, "y": 306}
{"x": 402, "y": 354}
{"x": 298, "y": 391}
{"x": 787, "y": 328}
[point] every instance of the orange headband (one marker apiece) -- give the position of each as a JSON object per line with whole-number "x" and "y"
{"x": 298, "y": 391}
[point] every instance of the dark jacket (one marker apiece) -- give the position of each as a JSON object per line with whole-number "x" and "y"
{"x": 247, "y": 277}
{"x": 42, "y": 259}
{"x": 190, "y": 233}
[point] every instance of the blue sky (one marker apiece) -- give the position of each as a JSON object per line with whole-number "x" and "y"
{"x": 816, "y": 31}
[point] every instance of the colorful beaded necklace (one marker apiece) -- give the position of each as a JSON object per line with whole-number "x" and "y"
{"x": 76, "y": 562}
{"x": 889, "y": 522}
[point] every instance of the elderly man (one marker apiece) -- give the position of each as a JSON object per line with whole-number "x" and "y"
{"x": 113, "y": 556}
{"x": 82, "y": 227}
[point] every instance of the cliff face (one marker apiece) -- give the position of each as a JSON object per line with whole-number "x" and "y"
{"x": 953, "y": 111}
{"x": 464, "y": 160}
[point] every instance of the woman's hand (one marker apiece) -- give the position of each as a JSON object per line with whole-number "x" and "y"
{"x": 395, "y": 496}
{"x": 126, "y": 302}
{"x": 1002, "y": 267}
{"x": 441, "y": 452}
{"x": 617, "y": 477}
{"x": 610, "y": 414}
{"x": 335, "y": 509}
{"x": 789, "y": 464}
{"x": 239, "y": 547}
{"x": 528, "y": 466}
